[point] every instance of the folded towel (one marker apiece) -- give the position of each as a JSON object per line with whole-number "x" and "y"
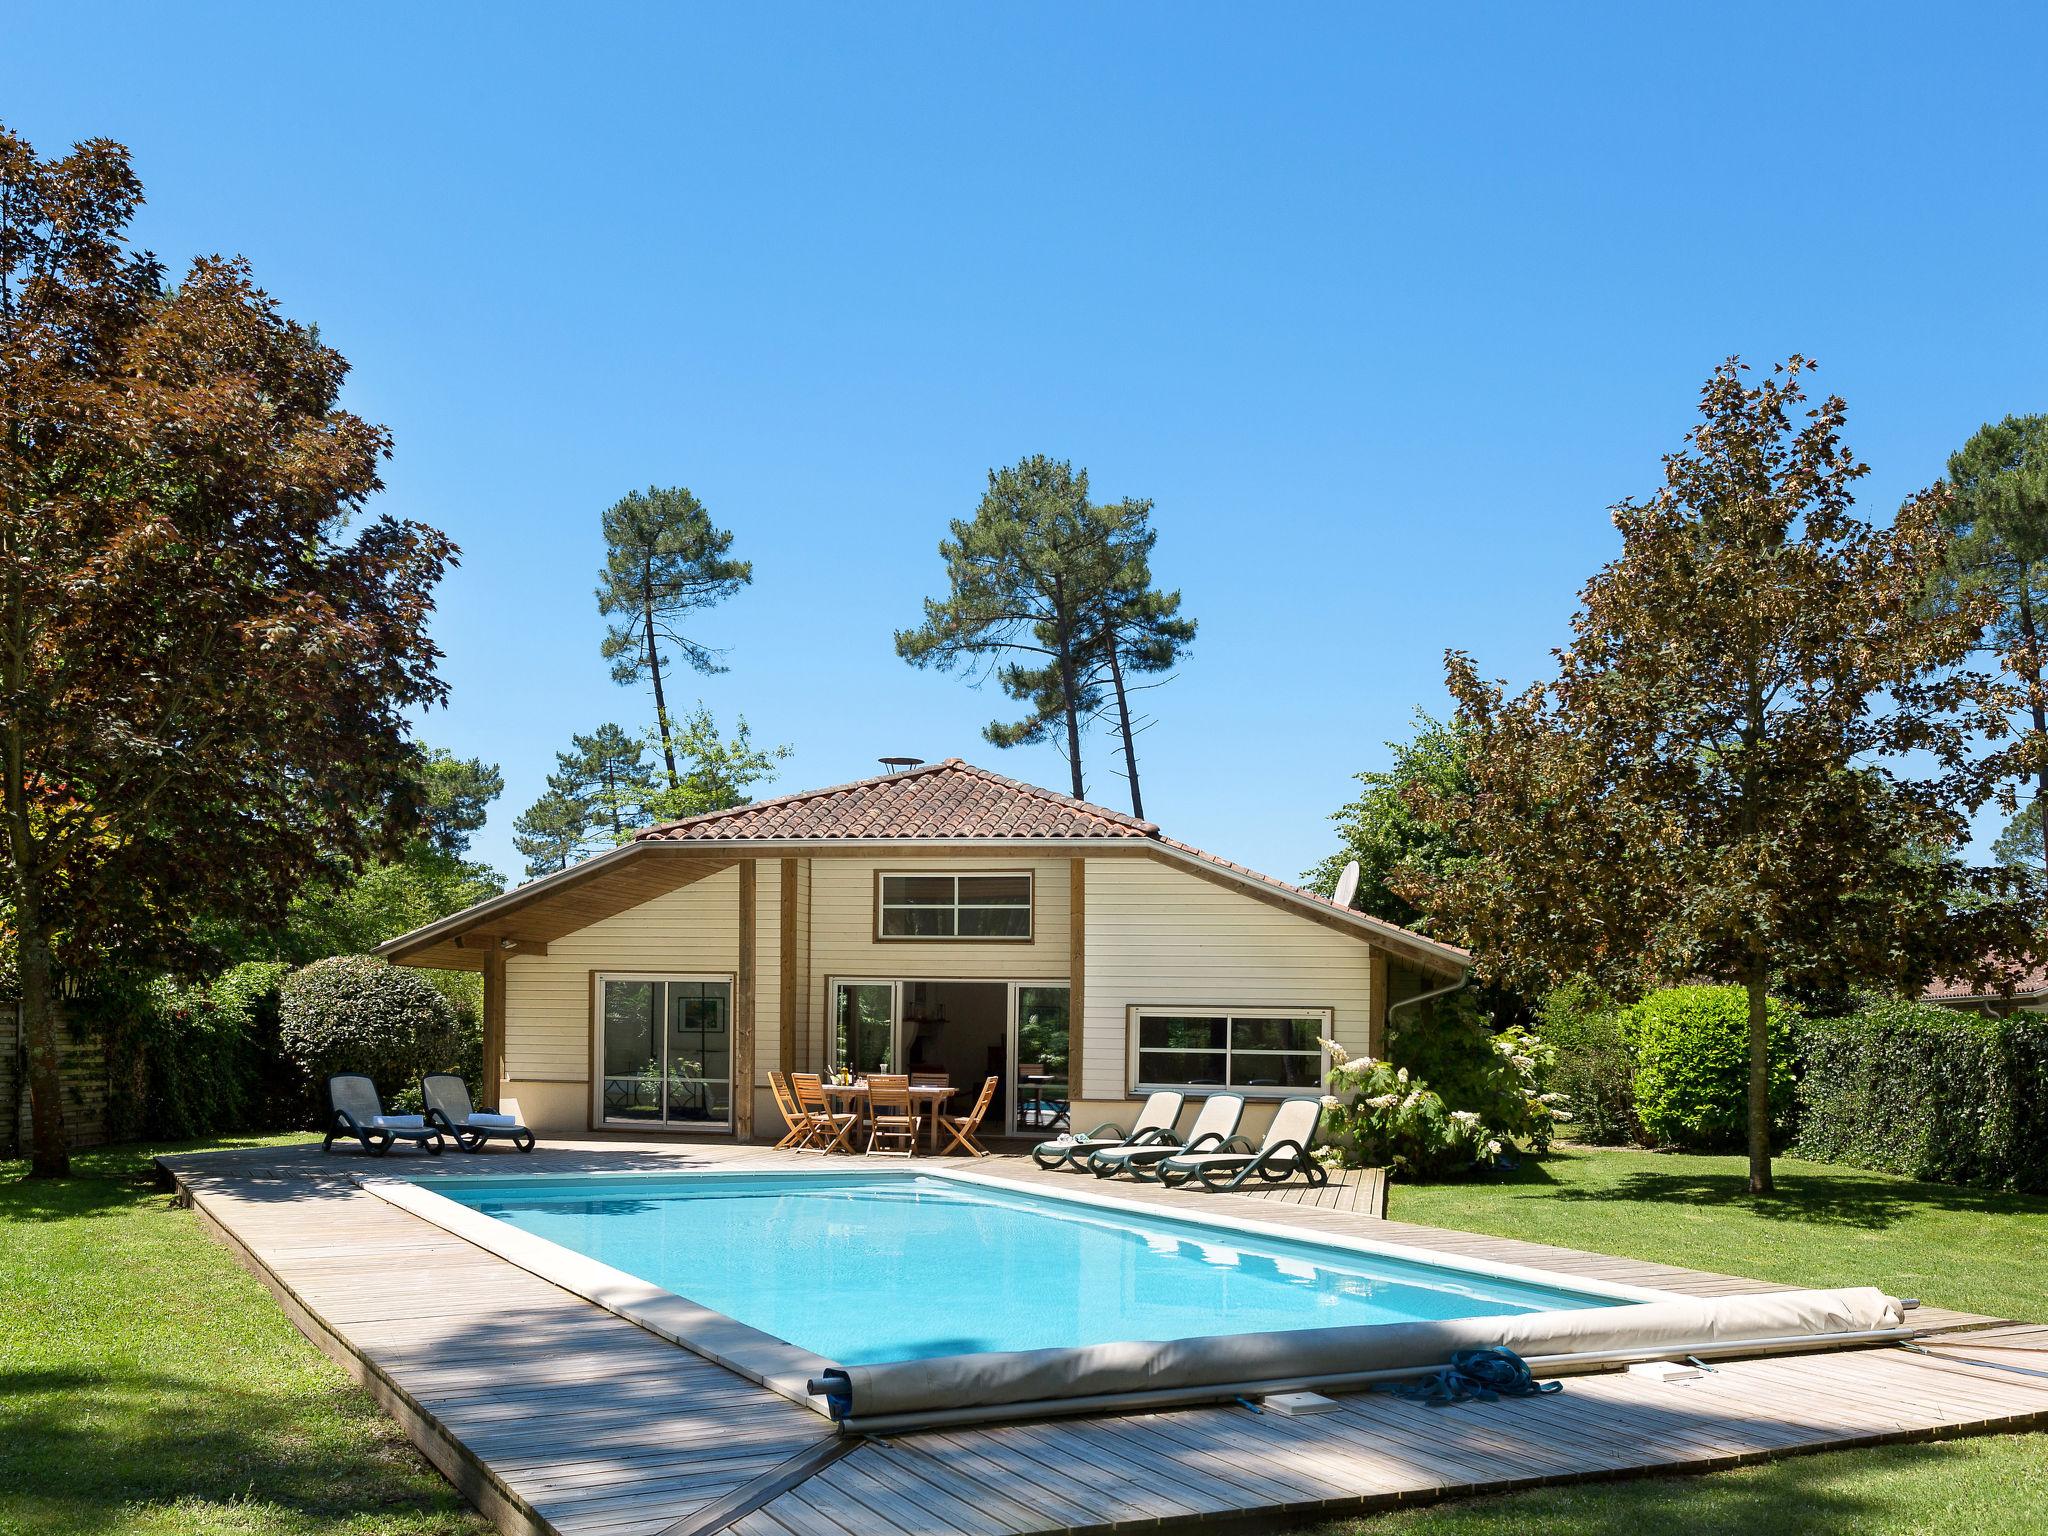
{"x": 477, "y": 1117}
{"x": 400, "y": 1122}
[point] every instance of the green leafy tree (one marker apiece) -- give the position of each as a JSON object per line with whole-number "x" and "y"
{"x": 719, "y": 772}
{"x": 552, "y": 833}
{"x": 1388, "y": 828}
{"x": 2019, "y": 845}
{"x": 1026, "y": 578}
{"x": 1758, "y": 730}
{"x": 211, "y": 656}
{"x": 1997, "y": 518}
{"x": 665, "y": 560}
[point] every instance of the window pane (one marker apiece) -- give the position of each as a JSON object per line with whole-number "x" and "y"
{"x": 632, "y": 1052}
{"x": 995, "y": 922}
{"x": 918, "y": 890}
{"x": 1191, "y": 1067}
{"x": 917, "y": 922}
{"x": 996, "y": 890}
{"x": 1271, "y": 1069}
{"x": 1275, "y": 1034}
{"x": 699, "y": 1051}
{"x": 1161, "y": 1031}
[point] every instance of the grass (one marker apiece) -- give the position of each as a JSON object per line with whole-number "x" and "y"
{"x": 150, "y": 1387}
{"x": 1968, "y": 1249}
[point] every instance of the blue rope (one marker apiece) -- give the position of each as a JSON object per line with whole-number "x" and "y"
{"x": 1474, "y": 1375}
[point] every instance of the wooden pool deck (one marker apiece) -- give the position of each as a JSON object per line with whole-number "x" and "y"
{"x": 555, "y": 1416}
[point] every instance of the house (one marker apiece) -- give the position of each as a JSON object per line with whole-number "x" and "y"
{"x": 2029, "y": 995}
{"x": 941, "y": 918}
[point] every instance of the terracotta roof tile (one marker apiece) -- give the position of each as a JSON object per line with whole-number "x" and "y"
{"x": 947, "y": 799}
{"x": 2030, "y": 984}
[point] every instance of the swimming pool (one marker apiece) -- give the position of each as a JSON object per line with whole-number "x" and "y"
{"x": 866, "y": 1268}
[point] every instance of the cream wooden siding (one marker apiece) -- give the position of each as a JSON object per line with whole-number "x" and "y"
{"x": 1156, "y": 934}
{"x": 843, "y": 942}
{"x": 547, "y": 997}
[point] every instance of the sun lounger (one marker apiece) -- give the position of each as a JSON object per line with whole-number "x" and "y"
{"x": 1154, "y": 1123}
{"x": 1213, "y": 1128}
{"x": 447, "y": 1099}
{"x": 1285, "y": 1153}
{"x": 354, "y": 1110}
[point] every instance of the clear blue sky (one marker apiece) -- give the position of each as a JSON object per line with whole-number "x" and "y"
{"x": 1383, "y": 309}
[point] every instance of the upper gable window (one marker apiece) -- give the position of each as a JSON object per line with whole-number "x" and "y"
{"x": 927, "y": 906}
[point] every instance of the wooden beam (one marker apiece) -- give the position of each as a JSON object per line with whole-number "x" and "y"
{"x": 1077, "y": 968}
{"x": 786, "y": 994}
{"x": 744, "y": 1023}
{"x": 502, "y": 943}
{"x": 1376, "y": 1019}
{"x": 494, "y": 1026}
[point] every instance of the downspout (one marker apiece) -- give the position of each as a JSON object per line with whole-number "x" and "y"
{"x": 1464, "y": 977}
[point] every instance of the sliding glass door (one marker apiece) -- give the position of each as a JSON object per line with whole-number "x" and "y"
{"x": 864, "y": 1025}
{"x": 1040, "y": 1093}
{"x": 665, "y": 1051}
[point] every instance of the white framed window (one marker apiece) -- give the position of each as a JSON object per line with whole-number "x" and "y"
{"x": 1253, "y": 1050}
{"x": 992, "y": 905}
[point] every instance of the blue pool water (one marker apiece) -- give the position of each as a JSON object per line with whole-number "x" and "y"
{"x": 867, "y": 1268}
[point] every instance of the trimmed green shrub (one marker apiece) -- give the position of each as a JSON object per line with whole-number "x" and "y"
{"x": 1690, "y": 1046}
{"x": 1933, "y": 1093}
{"x": 1593, "y": 1069}
{"x": 357, "y": 1013}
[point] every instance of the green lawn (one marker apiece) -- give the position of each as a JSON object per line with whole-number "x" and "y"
{"x": 148, "y": 1385}
{"x": 1825, "y": 1226}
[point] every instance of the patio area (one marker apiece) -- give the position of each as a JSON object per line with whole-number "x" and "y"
{"x": 554, "y": 1415}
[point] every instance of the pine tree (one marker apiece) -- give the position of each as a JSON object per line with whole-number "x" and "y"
{"x": 552, "y": 832}
{"x": 606, "y": 772}
{"x": 665, "y": 560}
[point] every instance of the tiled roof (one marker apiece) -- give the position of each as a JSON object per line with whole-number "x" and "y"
{"x": 1953, "y": 989}
{"x": 948, "y": 799}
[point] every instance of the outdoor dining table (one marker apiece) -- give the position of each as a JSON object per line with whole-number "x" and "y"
{"x": 926, "y": 1098}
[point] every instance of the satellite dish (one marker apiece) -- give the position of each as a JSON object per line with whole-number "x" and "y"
{"x": 1347, "y": 885}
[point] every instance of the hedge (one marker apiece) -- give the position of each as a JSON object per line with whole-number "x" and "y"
{"x": 194, "y": 1060}
{"x": 1933, "y": 1093}
{"x": 357, "y": 1013}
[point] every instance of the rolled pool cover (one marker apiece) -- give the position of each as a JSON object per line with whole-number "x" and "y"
{"x": 955, "y": 1382}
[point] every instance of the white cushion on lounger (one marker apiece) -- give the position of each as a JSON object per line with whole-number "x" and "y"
{"x": 478, "y": 1117}
{"x": 400, "y": 1122}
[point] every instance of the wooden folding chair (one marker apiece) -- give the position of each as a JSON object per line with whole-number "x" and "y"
{"x": 891, "y": 1114}
{"x": 962, "y": 1127}
{"x": 827, "y": 1127}
{"x": 929, "y": 1080}
{"x": 796, "y": 1134}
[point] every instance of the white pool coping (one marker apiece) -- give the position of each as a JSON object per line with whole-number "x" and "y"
{"x": 785, "y": 1368}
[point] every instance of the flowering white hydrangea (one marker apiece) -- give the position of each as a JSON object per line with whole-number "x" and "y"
{"x": 1331, "y": 1101}
{"x": 1466, "y": 1117}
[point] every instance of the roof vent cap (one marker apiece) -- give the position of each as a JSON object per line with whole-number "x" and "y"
{"x": 900, "y": 764}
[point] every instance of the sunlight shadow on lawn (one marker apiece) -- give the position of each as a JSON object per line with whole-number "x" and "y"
{"x": 1839, "y": 1198}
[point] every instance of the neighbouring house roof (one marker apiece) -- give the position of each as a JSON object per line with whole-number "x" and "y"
{"x": 2033, "y": 983}
{"x": 948, "y": 803}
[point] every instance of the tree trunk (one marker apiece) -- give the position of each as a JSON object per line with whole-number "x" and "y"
{"x": 2031, "y": 675}
{"x": 1123, "y": 721}
{"x": 668, "y": 751}
{"x": 51, "y": 1156}
{"x": 1759, "y": 1081}
{"x": 1073, "y": 708}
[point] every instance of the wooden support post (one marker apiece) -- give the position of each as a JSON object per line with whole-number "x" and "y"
{"x": 494, "y": 1025}
{"x": 786, "y": 993}
{"x": 1376, "y": 1021}
{"x": 744, "y": 1022}
{"x": 1077, "y": 966}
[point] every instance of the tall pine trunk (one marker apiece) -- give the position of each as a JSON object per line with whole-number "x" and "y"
{"x": 1068, "y": 680}
{"x": 668, "y": 751}
{"x": 1123, "y": 724}
{"x": 1757, "y": 984}
{"x": 2031, "y": 675}
{"x": 50, "y": 1157}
